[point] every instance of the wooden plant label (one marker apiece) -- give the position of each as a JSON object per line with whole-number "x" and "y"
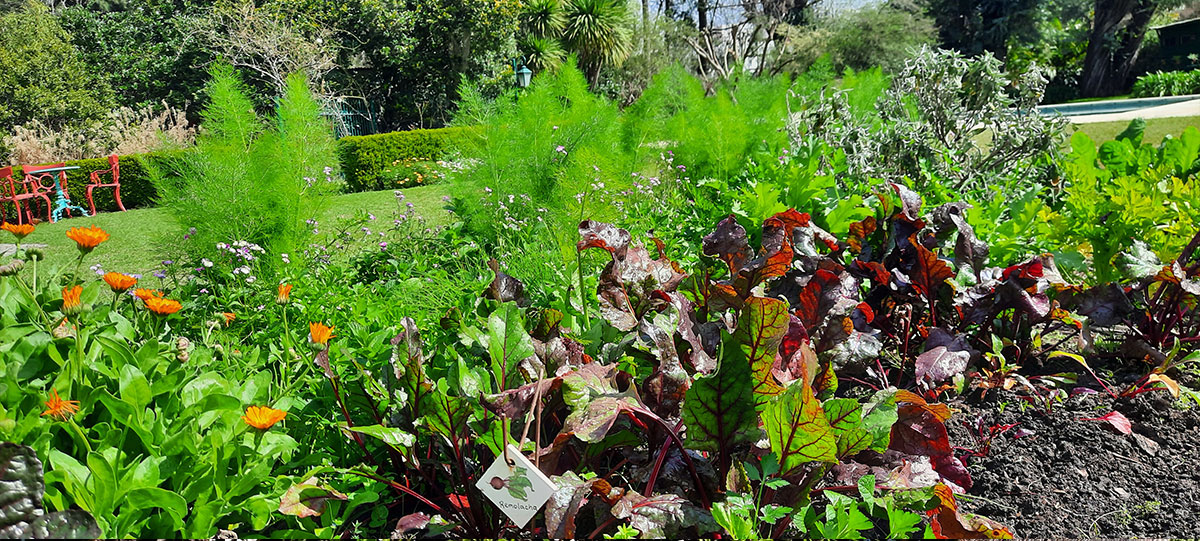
{"x": 519, "y": 490}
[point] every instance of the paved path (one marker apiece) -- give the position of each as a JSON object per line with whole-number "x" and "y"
{"x": 1184, "y": 108}
{"x": 7, "y": 250}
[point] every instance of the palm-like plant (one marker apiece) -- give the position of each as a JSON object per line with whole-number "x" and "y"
{"x": 600, "y": 31}
{"x": 543, "y": 19}
{"x": 543, "y": 53}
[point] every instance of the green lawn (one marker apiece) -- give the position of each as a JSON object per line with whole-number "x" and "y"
{"x": 1156, "y": 128}
{"x": 132, "y": 248}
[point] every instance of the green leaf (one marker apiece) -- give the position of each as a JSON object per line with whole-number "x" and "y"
{"x": 881, "y": 413}
{"x": 103, "y": 484}
{"x": 76, "y": 478}
{"x": 140, "y": 499}
{"x": 508, "y": 344}
{"x": 797, "y": 429}
{"x": 719, "y": 409}
{"x": 735, "y": 524}
{"x": 390, "y": 435}
{"x": 134, "y": 387}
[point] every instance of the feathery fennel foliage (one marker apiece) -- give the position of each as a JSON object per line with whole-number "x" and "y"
{"x": 249, "y": 179}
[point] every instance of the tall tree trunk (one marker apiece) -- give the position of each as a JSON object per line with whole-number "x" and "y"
{"x": 1118, "y": 29}
{"x": 702, "y": 15}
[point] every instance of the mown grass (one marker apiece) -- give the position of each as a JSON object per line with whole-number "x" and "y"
{"x": 1156, "y": 128}
{"x": 135, "y": 246}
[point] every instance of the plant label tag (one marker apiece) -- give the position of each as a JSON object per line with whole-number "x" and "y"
{"x": 520, "y": 489}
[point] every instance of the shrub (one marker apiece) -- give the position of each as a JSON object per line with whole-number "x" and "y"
{"x": 364, "y": 158}
{"x": 249, "y": 180}
{"x": 42, "y": 76}
{"x": 879, "y": 36}
{"x": 1167, "y": 83}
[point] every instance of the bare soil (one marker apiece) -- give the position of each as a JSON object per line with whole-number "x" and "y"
{"x": 1073, "y": 478}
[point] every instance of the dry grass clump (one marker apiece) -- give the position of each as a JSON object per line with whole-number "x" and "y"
{"x": 125, "y": 131}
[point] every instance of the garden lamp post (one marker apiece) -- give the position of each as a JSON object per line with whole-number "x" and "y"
{"x": 521, "y": 74}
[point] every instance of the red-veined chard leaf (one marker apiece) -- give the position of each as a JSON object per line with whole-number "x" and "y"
{"x": 307, "y": 499}
{"x": 761, "y": 327}
{"x": 663, "y": 389}
{"x": 508, "y": 344}
{"x": 798, "y": 430}
{"x": 628, "y": 281}
{"x": 928, "y": 272}
{"x": 948, "y": 523}
{"x": 718, "y": 410}
{"x": 408, "y": 366}
{"x": 597, "y": 401}
{"x": 845, "y": 421}
{"x": 564, "y": 504}
{"x": 505, "y": 288}
{"x": 946, "y": 355}
{"x": 661, "y": 516}
{"x": 729, "y": 243}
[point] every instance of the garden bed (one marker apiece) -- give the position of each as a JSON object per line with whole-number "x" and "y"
{"x": 1076, "y": 478}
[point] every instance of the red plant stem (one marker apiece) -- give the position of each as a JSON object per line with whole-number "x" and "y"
{"x": 349, "y": 424}
{"x": 662, "y": 457}
{"x": 602, "y": 527}
{"x": 682, "y": 451}
{"x": 399, "y": 487}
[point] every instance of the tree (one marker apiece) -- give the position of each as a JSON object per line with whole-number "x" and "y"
{"x": 271, "y": 44}
{"x": 42, "y": 76}
{"x": 600, "y": 32}
{"x": 973, "y": 27}
{"x": 147, "y": 50}
{"x": 1118, "y": 29}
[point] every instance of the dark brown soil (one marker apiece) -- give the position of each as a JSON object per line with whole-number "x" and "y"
{"x": 1073, "y": 478}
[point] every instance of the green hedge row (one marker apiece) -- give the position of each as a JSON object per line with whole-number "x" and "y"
{"x": 364, "y": 157}
{"x": 137, "y": 189}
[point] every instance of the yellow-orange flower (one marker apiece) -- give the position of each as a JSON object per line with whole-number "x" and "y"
{"x": 143, "y": 293}
{"x": 229, "y": 317}
{"x": 118, "y": 282}
{"x": 87, "y": 238}
{"x": 57, "y": 407}
{"x": 318, "y": 333}
{"x": 262, "y": 417}
{"x": 285, "y": 292}
{"x": 19, "y": 231}
{"x": 162, "y": 307}
{"x": 71, "y": 304}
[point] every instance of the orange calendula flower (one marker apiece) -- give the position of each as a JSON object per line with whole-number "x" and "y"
{"x": 57, "y": 407}
{"x": 143, "y": 293}
{"x": 118, "y": 282}
{"x": 71, "y": 303}
{"x": 19, "y": 231}
{"x": 318, "y": 333}
{"x": 262, "y": 417}
{"x": 229, "y": 317}
{"x": 285, "y": 293}
{"x": 87, "y": 238}
{"x": 162, "y": 307}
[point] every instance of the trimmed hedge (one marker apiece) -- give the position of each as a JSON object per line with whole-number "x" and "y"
{"x": 137, "y": 189}
{"x": 363, "y": 158}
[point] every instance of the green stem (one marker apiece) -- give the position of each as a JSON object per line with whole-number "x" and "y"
{"x": 79, "y": 434}
{"x": 33, "y": 299}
